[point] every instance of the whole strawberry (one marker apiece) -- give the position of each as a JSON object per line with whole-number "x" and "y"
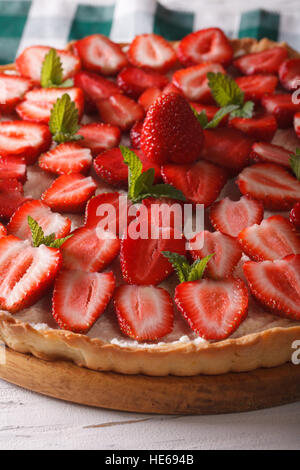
{"x": 171, "y": 132}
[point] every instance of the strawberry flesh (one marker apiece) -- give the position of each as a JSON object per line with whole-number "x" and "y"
{"x": 267, "y": 61}
{"x": 133, "y": 81}
{"x": 259, "y": 127}
{"x": 66, "y": 158}
{"x": 148, "y": 97}
{"x": 11, "y": 197}
{"x": 282, "y": 108}
{"x": 12, "y": 167}
{"x": 121, "y": 111}
{"x": 94, "y": 87}
{"x": 269, "y": 153}
{"x": 12, "y": 90}
{"x": 256, "y": 86}
{"x": 289, "y": 74}
{"x": 152, "y": 52}
{"x": 99, "y": 137}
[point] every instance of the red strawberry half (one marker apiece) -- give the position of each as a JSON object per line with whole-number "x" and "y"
{"x": 171, "y": 132}
{"x": 24, "y": 139}
{"x": 282, "y": 108}
{"x": 200, "y": 182}
{"x": 80, "y": 298}
{"x": 213, "y": 309}
{"x": 12, "y": 167}
{"x": 133, "y": 81}
{"x": 90, "y": 249}
{"x": 11, "y": 197}
{"x": 12, "y": 90}
{"x": 29, "y": 63}
{"x": 66, "y": 158}
{"x": 25, "y": 272}
{"x": 193, "y": 81}
{"x": 273, "y": 239}
{"x": 99, "y": 54}
{"x": 148, "y": 97}
{"x": 269, "y": 153}
{"x": 227, "y": 253}
{"x": 152, "y": 52}
{"x": 111, "y": 168}
{"x": 256, "y": 86}
{"x": 267, "y": 61}
{"x": 94, "y": 87}
{"x": 271, "y": 184}
{"x": 145, "y": 313}
{"x": 69, "y": 193}
{"x": 49, "y": 221}
{"x": 259, "y": 127}
{"x": 38, "y": 103}
{"x": 276, "y": 284}
{"x": 121, "y": 111}
{"x": 99, "y": 137}
{"x": 297, "y": 124}
{"x": 141, "y": 260}
{"x": 231, "y": 217}
{"x": 226, "y": 147}
{"x": 206, "y": 45}
{"x": 289, "y": 74}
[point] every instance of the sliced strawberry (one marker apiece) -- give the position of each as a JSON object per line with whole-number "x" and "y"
{"x": 99, "y": 54}
{"x": 226, "y": 147}
{"x": 165, "y": 212}
{"x": 213, "y": 309}
{"x": 25, "y": 272}
{"x": 152, "y": 52}
{"x": 145, "y": 313}
{"x": 80, "y": 298}
{"x": 38, "y": 103}
{"x": 260, "y": 127}
{"x": 99, "y": 137}
{"x": 193, "y": 81}
{"x": 206, "y": 45}
{"x": 273, "y": 239}
{"x": 135, "y": 134}
{"x": 267, "y": 61}
{"x": 210, "y": 110}
{"x": 121, "y": 111}
{"x": 49, "y": 221}
{"x": 231, "y": 217}
{"x": 66, "y": 158}
{"x": 276, "y": 284}
{"x": 289, "y": 74}
{"x": 227, "y": 253}
{"x": 110, "y": 210}
{"x": 269, "y": 153}
{"x": 3, "y": 231}
{"x": 12, "y": 90}
{"x": 69, "y": 193}
{"x": 111, "y": 168}
{"x": 11, "y": 197}
{"x": 256, "y": 86}
{"x": 271, "y": 184}
{"x": 295, "y": 216}
{"x": 200, "y": 182}
{"x": 134, "y": 81}
{"x": 141, "y": 260}
{"x": 148, "y": 97}
{"x": 94, "y": 87}
{"x": 12, "y": 167}
{"x": 282, "y": 108}
{"x": 90, "y": 249}
{"x": 29, "y": 63}
{"x": 297, "y": 124}
{"x": 24, "y": 139}
{"x": 171, "y": 132}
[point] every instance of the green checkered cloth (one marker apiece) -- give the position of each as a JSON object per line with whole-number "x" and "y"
{"x": 55, "y": 22}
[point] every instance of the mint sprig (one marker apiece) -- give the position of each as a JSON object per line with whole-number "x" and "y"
{"x": 64, "y": 119}
{"x": 140, "y": 184}
{"x": 185, "y": 271}
{"x": 39, "y": 238}
{"x": 52, "y": 72}
{"x": 295, "y": 163}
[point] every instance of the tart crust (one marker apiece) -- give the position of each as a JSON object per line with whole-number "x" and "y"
{"x": 268, "y": 348}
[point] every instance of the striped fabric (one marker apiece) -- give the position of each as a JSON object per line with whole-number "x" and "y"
{"x": 55, "y": 22}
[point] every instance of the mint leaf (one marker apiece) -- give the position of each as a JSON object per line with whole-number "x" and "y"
{"x": 295, "y": 163}
{"x": 52, "y": 72}
{"x": 184, "y": 270}
{"x": 202, "y": 117}
{"x": 140, "y": 184}
{"x": 220, "y": 114}
{"x": 246, "y": 111}
{"x": 63, "y": 122}
{"x": 224, "y": 89}
{"x": 39, "y": 238}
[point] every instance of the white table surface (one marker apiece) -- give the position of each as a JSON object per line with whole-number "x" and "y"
{"x": 32, "y": 421}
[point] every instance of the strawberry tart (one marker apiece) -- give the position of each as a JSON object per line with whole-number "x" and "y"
{"x": 140, "y": 128}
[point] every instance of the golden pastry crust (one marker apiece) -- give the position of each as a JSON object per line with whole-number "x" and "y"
{"x": 269, "y": 348}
